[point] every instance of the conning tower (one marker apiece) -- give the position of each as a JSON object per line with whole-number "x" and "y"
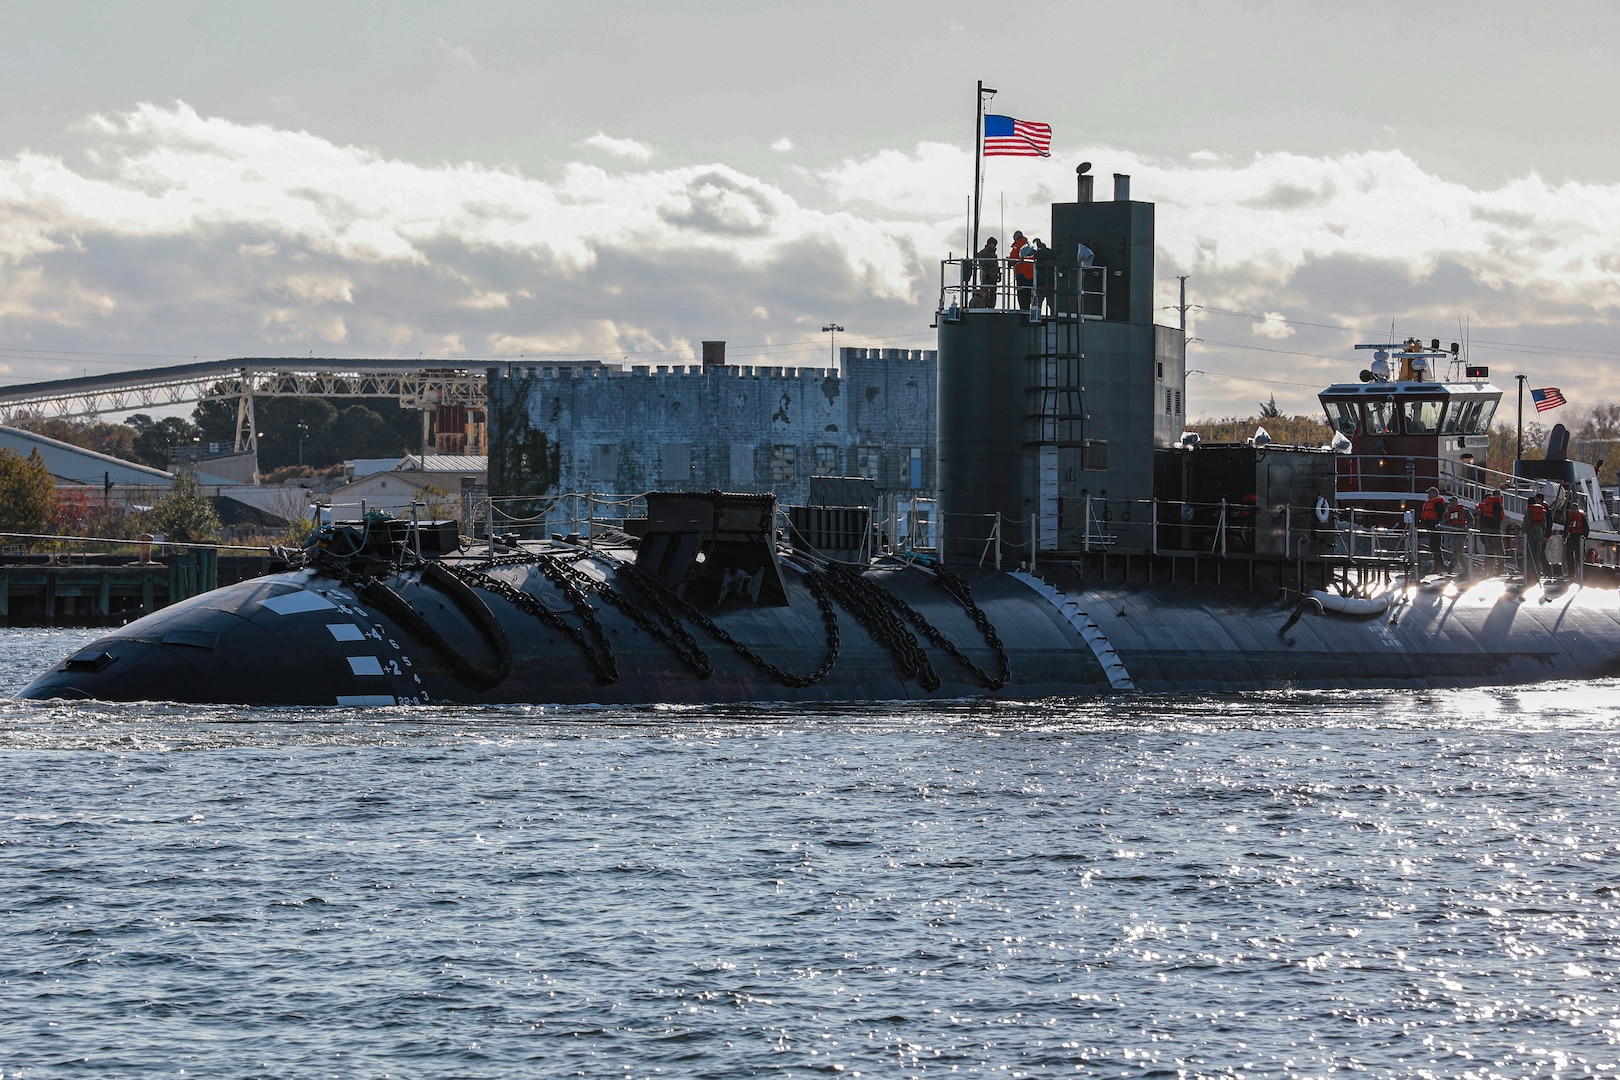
{"x": 1053, "y": 395}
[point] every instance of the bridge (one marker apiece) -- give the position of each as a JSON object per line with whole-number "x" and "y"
{"x": 428, "y": 385}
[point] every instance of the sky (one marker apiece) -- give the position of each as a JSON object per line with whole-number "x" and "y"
{"x": 501, "y": 180}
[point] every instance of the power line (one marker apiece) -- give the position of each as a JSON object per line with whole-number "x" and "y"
{"x": 1262, "y": 348}
{"x": 1251, "y": 378}
{"x": 1506, "y": 346}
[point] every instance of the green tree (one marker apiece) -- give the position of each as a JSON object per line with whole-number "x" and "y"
{"x": 184, "y": 514}
{"x": 1269, "y": 410}
{"x": 27, "y": 492}
{"x": 290, "y": 427}
{"x": 90, "y": 433}
{"x": 327, "y": 430}
{"x": 155, "y": 441}
{"x": 362, "y": 432}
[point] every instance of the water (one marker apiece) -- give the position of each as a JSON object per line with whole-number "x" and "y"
{"x": 1264, "y": 884}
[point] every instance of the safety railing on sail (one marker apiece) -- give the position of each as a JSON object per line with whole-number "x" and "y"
{"x": 1054, "y": 288}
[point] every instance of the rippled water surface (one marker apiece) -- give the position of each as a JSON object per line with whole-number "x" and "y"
{"x": 1257, "y": 885}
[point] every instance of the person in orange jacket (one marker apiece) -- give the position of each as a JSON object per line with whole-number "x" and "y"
{"x": 1535, "y": 534}
{"x": 1576, "y": 530}
{"x": 1022, "y": 252}
{"x": 1429, "y": 518}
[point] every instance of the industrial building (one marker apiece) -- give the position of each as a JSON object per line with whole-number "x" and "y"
{"x": 559, "y": 429}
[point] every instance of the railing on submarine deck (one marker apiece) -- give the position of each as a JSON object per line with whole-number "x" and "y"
{"x": 1362, "y": 538}
{"x": 1058, "y": 288}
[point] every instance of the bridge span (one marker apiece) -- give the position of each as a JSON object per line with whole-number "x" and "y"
{"x": 428, "y": 385}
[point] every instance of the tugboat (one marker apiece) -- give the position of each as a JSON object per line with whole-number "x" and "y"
{"x": 1140, "y": 561}
{"x": 1418, "y": 420}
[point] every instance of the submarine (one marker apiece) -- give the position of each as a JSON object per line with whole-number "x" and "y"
{"x": 1085, "y": 546}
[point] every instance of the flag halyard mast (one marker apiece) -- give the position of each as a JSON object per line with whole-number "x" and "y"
{"x": 978, "y": 160}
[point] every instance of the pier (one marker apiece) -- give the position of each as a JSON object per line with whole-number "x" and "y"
{"x": 110, "y": 590}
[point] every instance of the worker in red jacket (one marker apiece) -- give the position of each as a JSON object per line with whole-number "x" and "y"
{"x": 1429, "y": 518}
{"x": 1491, "y": 513}
{"x": 1576, "y": 530}
{"x": 1535, "y": 535}
{"x": 1022, "y": 253}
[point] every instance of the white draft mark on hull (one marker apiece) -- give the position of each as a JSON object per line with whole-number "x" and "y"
{"x": 366, "y": 665}
{"x": 294, "y": 602}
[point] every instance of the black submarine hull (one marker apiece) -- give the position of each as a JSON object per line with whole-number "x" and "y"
{"x": 518, "y": 634}
{"x": 309, "y": 638}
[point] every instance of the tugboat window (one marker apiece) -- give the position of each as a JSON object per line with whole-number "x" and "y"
{"x": 1474, "y": 417}
{"x": 1343, "y": 416}
{"x": 1423, "y": 417}
{"x": 1381, "y": 418}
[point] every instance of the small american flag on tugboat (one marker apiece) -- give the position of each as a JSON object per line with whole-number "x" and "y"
{"x": 1550, "y": 398}
{"x": 1007, "y": 137}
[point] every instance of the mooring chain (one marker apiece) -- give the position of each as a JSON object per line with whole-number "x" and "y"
{"x": 599, "y": 659}
{"x": 872, "y": 607}
{"x": 963, "y": 593}
{"x": 935, "y": 635}
{"x": 829, "y": 617}
{"x": 883, "y": 614}
{"x": 671, "y": 632}
{"x": 587, "y": 614}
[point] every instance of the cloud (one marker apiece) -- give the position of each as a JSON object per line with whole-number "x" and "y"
{"x": 621, "y": 148}
{"x": 784, "y": 145}
{"x": 207, "y": 237}
{"x": 1274, "y": 326}
{"x": 460, "y": 55}
{"x": 161, "y": 232}
{"x": 721, "y": 202}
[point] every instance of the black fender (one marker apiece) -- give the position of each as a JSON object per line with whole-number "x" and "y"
{"x": 397, "y": 608}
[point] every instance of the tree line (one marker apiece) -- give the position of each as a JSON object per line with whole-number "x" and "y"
{"x": 316, "y": 433}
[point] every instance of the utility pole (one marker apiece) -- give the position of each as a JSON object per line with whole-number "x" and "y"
{"x": 834, "y": 329}
{"x": 1183, "y": 305}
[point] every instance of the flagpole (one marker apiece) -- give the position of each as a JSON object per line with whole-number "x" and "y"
{"x": 1519, "y": 454}
{"x": 978, "y": 161}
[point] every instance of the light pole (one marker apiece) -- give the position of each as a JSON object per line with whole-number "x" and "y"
{"x": 834, "y": 329}
{"x": 303, "y": 430}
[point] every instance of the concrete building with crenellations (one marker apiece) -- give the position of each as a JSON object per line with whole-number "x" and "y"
{"x": 558, "y": 429}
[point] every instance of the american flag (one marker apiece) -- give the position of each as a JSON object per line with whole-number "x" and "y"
{"x": 1007, "y": 137}
{"x": 1550, "y": 398}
